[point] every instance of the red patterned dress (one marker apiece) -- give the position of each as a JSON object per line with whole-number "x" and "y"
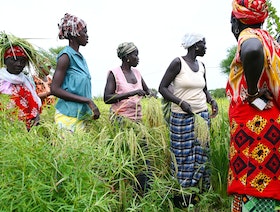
{"x": 254, "y": 154}
{"x": 22, "y": 97}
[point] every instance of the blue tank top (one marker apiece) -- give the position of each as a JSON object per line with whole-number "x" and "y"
{"x": 77, "y": 81}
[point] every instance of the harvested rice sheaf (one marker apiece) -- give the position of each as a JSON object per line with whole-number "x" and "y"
{"x": 201, "y": 130}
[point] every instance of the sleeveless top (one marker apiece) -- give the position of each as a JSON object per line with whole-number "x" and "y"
{"x": 189, "y": 85}
{"x": 131, "y": 107}
{"x": 77, "y": 81}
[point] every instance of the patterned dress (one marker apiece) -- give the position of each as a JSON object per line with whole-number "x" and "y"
{"x": 22, "y": 96}
{"x": 42, "y": 87}
{"x": 254, "y": 155}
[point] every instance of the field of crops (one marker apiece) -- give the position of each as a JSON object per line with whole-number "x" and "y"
{"x": 49, "y": 170}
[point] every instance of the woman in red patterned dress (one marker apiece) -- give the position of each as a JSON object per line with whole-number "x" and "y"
{"x": 15, "y": 84}
{"x": 254, "y": 112}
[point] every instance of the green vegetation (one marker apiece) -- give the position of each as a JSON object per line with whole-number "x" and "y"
{"x": 50, "y": 170}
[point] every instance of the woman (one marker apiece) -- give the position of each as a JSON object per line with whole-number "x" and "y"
{"x": 189, "y": 100}
{"x": 124, "y": 89}
{"x": 19, "y": 88}
{"x": 254, "y": 91}
{"x": 72, "y": 81}
{"x": 125, "y": 86}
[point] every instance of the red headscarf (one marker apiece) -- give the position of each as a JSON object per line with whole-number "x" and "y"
{"x": 15, "y": 51}
{"x": 250, "y": 11}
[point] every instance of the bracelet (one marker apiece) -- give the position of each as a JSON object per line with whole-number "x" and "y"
{"x": 253, "y": 95}
{"x": 180, "y": 103}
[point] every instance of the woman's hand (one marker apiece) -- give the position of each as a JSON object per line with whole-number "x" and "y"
{"x": 94, "y": 109}
{"x": 215, "y": 108}
{"x": 138, "y": 92}
{"x": 263, "y": 93}
{"x": 186, "y": 107}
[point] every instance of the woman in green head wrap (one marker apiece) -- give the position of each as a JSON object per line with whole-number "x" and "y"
{"x": 125, "y": 86}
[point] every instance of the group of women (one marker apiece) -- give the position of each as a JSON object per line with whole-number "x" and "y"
{"x": 253, "y": 89}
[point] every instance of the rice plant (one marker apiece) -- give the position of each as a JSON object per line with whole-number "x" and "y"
{"x": 97, "y": 170}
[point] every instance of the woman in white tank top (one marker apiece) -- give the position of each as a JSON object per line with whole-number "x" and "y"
{"x": 188, "y": 102}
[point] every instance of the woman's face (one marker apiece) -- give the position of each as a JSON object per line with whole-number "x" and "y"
{"x": 83, "y": 38}
{"x": 235, "y": 27}
{"x": 133, "y": 58}
{"x": 15, "y": 65}
{"x": 201, "y": 47}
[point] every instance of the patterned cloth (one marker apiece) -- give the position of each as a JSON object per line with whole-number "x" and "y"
{"x": 191, "y": 158}
{"x": 22, "y": 96}
{"x": 254, "y": 167}
{"x": 70, "y": 25}
{"x": 245, "y": 203}
{"x": 15, "y": 51}
{"x": 250, "y": 11}
{"x": 42, "y": 87}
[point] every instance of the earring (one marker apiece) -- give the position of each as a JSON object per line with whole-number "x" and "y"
{"x": 127, "y": 60}
{"x": 236, "y": 31}
{"x": 196, "y": 48}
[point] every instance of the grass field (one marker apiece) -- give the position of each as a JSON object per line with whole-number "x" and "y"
{"x": 95, "y": 170}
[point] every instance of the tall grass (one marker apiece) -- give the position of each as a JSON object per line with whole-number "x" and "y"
{"x": 48, "y": 170}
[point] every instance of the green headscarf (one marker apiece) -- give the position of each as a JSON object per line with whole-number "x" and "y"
{"x": 125, "y": 48}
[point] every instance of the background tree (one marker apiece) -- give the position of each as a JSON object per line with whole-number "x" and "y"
{"x": 51, "y": 54}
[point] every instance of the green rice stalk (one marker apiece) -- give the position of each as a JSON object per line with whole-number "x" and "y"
{"x": 34, "y": 57}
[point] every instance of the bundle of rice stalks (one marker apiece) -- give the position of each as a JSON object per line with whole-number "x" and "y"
{"x": 9, "y": 40}
{"x": 153, "y": 113}
{"x": 201, "y": 130}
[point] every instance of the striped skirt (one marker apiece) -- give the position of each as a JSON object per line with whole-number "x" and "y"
{"x": 190, "y": 158}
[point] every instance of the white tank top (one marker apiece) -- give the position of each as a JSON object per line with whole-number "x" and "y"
{"x": 189, "y": 85}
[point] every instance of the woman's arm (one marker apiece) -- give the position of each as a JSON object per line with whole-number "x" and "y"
{"x": 56, "y": 90}
{"x": 252, "y": 57}
{"x": 110, "y": 95}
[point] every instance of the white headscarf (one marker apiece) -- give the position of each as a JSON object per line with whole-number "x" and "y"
{"x": 190, "y": 39}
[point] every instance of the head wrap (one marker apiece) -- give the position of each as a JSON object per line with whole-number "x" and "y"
{"x": 190, "y": 39}
{"x": 125, "y": 48}
{"x": 250, "y": 11}
{"x": 70, "y": 25}
{"x": 14, "y": 51}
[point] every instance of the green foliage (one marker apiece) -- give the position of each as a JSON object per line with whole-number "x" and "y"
{"x": 51, "y": 55}
{"x": 273, "y": 21}
{"x": 225, "y": 64}
{"x": 9, "y": 40}
{"x": 50, "y": 170}
{"x": 218, "y": 93}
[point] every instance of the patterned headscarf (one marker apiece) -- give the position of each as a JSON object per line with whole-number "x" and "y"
{"x": 125, "y": 48}
{"x": 70, "y": 25}
{"x": 190, "y": 39}
{"x": 250, "y": 11}
{"x": 14, "y": 51}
